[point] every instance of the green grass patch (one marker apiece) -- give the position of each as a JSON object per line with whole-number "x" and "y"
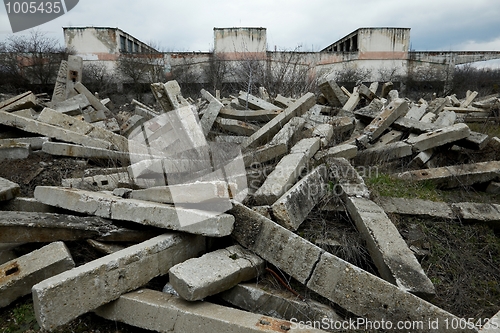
{"x": 387, "y": 186}
{"x": 489, "y": 128}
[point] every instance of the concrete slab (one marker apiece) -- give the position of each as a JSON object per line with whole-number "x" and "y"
{"x": 99, "y": 182}
{"x": 157, "y": 311}
{"x": 475, "y": 141}
{"x": 27, "y": 205}
{"x": 108, "y": 124}
{"x": 238, "y": 139}
{"x": 293, "y": 207}
{"x": 282, "y": 101}
{"x": 92, "y": 153}
{"x": 37, "y": 127}
{"x": 333, "y": 93}
{"x": 275, "y": 303}
{"x": 478, "y": 212}
{"x": 389, "y": 114}
{"x": 346, "y": 151}
{"x": 265, "y": 153}
{"x": 73, "y": 124}
{"x": 35, "y": 142}
{"x": 493, "y": 187}
{"x": 255, "y": 103}
{"x": 456, "y": 175}
{"x": 94, "y": 101}
{"x": 468, "y": 100}
{"x": 492, "y": 325}
{"x": 324, "y": 132}
{"x": 366, "y": 92}
{"x": 352, "y": 288}
{"x": 439, "y": 137}
{"x": 92, "y": 115}
{"x": 19, "y": 102}
{"x": 346, "y": 180}
{"x": 353, "y": 101}
{"x": 59, "y": 93}
{"x": 381, "y": 154}
{"x": 14, "y": 151}
{"x": 61, "y": 298}
{"x": 416, "y": 207}
{"x": 237, "y": 126}
{"x": 184, "y": 193}
{"x": 389, "y": 137}
{"x": 143, "y": 212}
{"x": 386, "y": 87}
{"x": 19, "y": 275}
{"x": 286, "y": 172}
{"x": 211, "y": 113}
{"x": 8, "y": 189}
{"x": 290, "y": 133}
{"x": 72, "y": 106}
{"x": 395, "y": 262}
{"x": 74, "y": 73}
{"x": 132, "y": 124}
{"x": 214, "y": 272}
{"x": 253, "y": 115}
{"x": 30, "y": 227}
{"x": 265, "y": 133}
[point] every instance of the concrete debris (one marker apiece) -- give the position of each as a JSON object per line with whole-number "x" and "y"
{"x": 19, "y": 275}
{"x": 214, "y": 272}
{"x": 257, "y": 169}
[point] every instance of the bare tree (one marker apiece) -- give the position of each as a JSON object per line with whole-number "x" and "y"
{"x": 352, "y": 74}
{"x": 217, "y": 71}
{"x": 33, "y": 58}
{"x": 97, "y": 77}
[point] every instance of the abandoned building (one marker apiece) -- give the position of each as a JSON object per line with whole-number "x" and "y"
{"x": 384, "y": 52}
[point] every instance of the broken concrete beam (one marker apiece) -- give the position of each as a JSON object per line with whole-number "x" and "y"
{"x": 52, "y": 117}
{"x": 475, "y": 141}
{"x": 389, "y": 114}
{"x": 286, "y": 172}
{"x": 290, "y": 133}
{"x": 94, "y": 101}
{"x": 347, "y": 181}
{"x": 105, "y": 248}
{"x": 353, "y": 101}
{"x": 469, "y": 109}
{"x": 324, "y": 132}
{"x": 213, "y": 110}
{"x": 333, "y": 93}
{"x": 438, "y": 105}
{"x": 255, "y": 103}
{"x": 35, "y": 142}
{"x": 99, "y": 182}
{"x": 384, "y": 153}
{"x": 145, "y": 113}
{"x": 108, "y": 124}
{"x": 478, "y": 212}
{"x": 142, "y": 212}
{"x": 162, "y": 312}
{"x": 395, "y": 262}
{"x": 19, "y": 102}
{"x": 456, "y": 175}
{"x": 37, "y": 127}
{"x": 389, "y": 137}
{"x": 366, "y": 93}
{"x": 27, "y": 205}
{"x": 386, "y": 87}
{"x": 346, "y": 151}
{"x": 352, "y": 288}
{"x": 131, "y": 125}
{"x": 72, "y": 106}
{"x": 293, "y": 207}
{"x": 253, "y": 115}
{"x": 59, "y": 93}
{"x": 92, "y": 153}
{"x": 265, "y": 133}
{"x": 14, "y": 151}
{"x": 63, "y": 297}
{"x": 278, "y": 304}
{"x": 237, "y": 126}
{"x": 19, "y": 275}
{"x": 468, "y": 100}
{"x": 283, "y": 102}
{"x": 26, "y": 227}
{"x": 214, "y": 272}
{"x": 439, "y": 137}
{"x": 8, "y": 189}
{"x": 92, "y": 115}
{"x": 265, "y": 153}
{"x": 416, "y": 112}
{"x": 238, "y": 139}
{"x": 416, "y": 207}
{"x": 189, "y": 193}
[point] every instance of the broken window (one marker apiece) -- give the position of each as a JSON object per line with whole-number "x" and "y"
{"x": 123, "y": 46}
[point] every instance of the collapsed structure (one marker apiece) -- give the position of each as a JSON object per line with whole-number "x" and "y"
{"x": 189, "y": 177}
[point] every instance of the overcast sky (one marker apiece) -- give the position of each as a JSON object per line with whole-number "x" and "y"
{"x": 187, "y": 25}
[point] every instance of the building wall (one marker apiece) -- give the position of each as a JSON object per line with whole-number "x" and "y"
{"x": 235, "y": 41}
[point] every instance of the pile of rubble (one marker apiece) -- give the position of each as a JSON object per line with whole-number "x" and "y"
{"x": 190, "y": 177}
